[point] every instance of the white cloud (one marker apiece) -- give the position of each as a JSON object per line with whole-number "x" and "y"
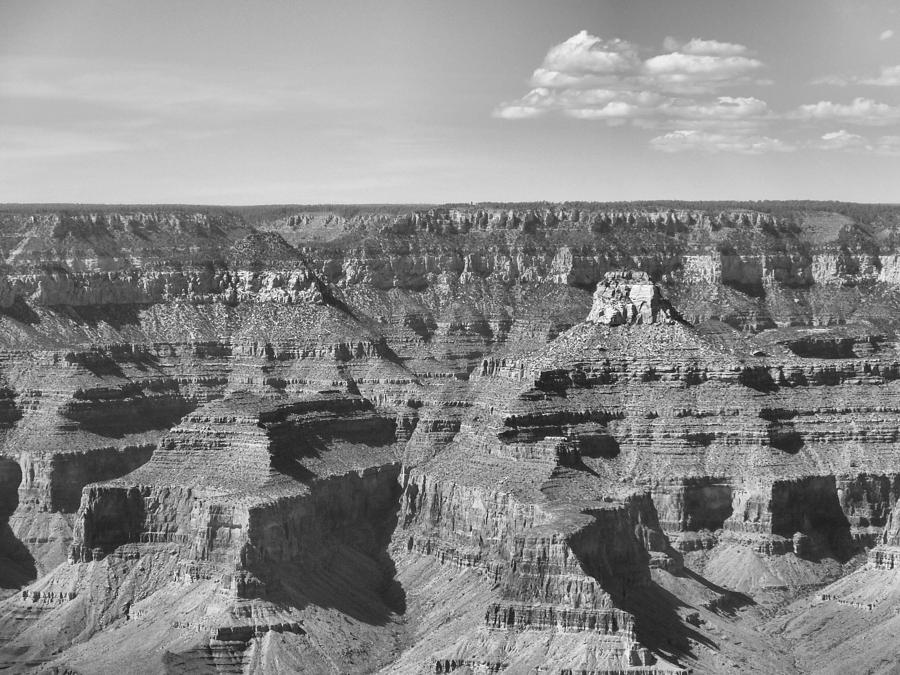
{"x": 701, "y": 47}
{"x": 612, "y": 111}
{"x": 646, "y": 108}
{"x": 555, "y": 79}
{"x": 845, "y": 141}
{"x": 608, "y": 80}
{"x": 886, "y": 34}
{"x": 841, "y": 140}
{"x": 888, "y": 77}
{"x": 860, "y": 111}
{"x": 518, "y": 112}
{"x": 683, "y": 140}
{"x": 587, "y": 54}
{"x": 671, "y": 44}
{"x": 679, "y": 95}
{"x": 596, "y": 103}
{"x": 586, "y": 61}
{"x": 713, "y": 48}
{"x": 698, "y": 73}
{"x": 592, "y": 78}
{"x": 724, "y": 108}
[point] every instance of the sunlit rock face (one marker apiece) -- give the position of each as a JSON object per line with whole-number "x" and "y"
{"x": 464, "y": 439}
{"x": 624, "y": 298}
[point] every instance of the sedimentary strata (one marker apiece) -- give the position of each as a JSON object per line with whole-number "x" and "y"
{"x": 477, "y": 439}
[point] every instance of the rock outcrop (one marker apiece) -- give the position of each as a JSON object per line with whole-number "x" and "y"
{"x": 455, "y": 439}
{"x": 624, "y": 298}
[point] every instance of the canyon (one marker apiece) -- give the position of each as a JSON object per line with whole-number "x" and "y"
{"x": 556, "y": 438}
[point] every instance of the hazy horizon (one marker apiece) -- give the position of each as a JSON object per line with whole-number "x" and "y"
{"x": 523, "y": 203}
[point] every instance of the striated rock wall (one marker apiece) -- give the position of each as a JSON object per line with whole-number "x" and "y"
{"x": 267, "y": 423}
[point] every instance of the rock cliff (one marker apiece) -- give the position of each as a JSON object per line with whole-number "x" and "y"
{"x": 573, "y": 438}
{"x": 629, "y": 298}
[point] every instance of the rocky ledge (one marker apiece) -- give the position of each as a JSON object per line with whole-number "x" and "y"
{"x": 457, "y": 439}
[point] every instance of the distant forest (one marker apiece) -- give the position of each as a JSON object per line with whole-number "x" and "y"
{"x": 861, "y": 213}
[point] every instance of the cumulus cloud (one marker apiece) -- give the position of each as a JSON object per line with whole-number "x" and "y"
{"x": 711, "y": 142}
{"x": 698, "y": 73}
{"x": 683, "y": 95}
{"x": 886, "y": 34}
{"x": 745, "y": 115}
{"x": 608, "y": 80}
{"x": 596, "y": 103}
{"x": 586, "y": 61}
{"x": 586, "y": 54}
{"x": 594, "y": 78}
{"x": 863, "y": 111}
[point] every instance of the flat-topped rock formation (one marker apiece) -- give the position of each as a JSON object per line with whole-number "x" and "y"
{"x": 629, "y": 298}
{"x": 472, "y": 438}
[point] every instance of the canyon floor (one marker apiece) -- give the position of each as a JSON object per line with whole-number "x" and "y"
{"x": 573, "y": 438}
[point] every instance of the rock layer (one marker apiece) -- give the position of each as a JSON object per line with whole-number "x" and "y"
{"x": 407, "y": 440}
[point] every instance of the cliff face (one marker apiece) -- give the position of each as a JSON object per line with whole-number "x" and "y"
{"x": 474, "y": 439}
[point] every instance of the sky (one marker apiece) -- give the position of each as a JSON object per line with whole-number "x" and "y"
{"x": 422, "y": 101}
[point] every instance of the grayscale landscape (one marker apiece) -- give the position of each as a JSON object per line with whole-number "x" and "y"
{"x": 383, "y": 338}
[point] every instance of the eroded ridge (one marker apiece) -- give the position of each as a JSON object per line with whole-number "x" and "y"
{"x": 473, "y": 439}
